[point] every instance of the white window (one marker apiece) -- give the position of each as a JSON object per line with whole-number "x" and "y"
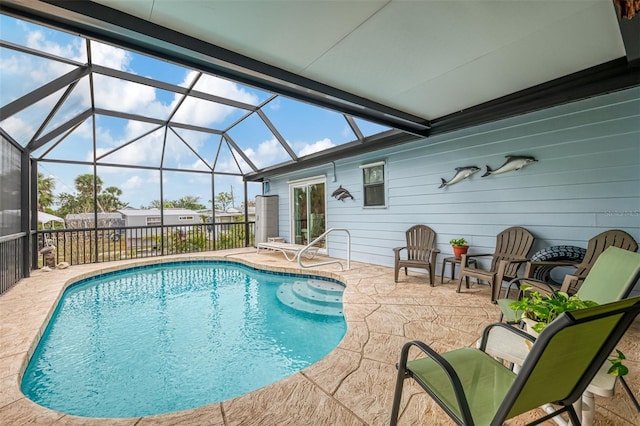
{"x": 183, "y": 218}
{"x": 373, "y": 184}
{"x": 153, "y": 220}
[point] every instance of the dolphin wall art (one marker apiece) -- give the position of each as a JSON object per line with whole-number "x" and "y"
{"x": 341, "y": 194}
{"x": 514, "y": 162}
{"x": 461, "y": 174}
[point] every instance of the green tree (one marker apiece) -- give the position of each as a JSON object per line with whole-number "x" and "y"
{"x": 189, "y": 202}
{"x": 68, "y": 204}
{"x": 109, "y": 200}
{"x": 155, "y": 204}
{"x": 223, "y": 201}
{"x": 46, "y": 185}
{"x": 83, "y": 199}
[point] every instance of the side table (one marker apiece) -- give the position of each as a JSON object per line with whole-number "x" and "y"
{"x": 454, "y": 261}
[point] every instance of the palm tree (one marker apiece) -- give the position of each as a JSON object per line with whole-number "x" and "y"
{"x": 46, "y": 186}
{"x": 109, "y": 200}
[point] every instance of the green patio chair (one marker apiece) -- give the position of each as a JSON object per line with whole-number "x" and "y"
{"x": 475, "y": 389}
{"x": 611, "y": 278}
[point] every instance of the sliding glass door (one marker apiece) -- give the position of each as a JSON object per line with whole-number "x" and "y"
{"x": 308, "y": 215}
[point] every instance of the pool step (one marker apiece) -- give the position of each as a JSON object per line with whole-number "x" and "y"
{"x": 312, "y": 296}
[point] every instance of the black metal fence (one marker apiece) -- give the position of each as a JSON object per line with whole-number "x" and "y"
{"x": 11, "y": 260}
{"x": 94, "y": 245}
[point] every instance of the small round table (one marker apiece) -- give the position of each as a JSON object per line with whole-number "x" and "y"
{"x": 454, "y": 261}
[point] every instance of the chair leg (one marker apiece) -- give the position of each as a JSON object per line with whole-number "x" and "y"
{"x": 460, "y": 282}
{"x": 573, "y": 416}
{"x": 397, "y": 396}
{"x": 630, "y": 393}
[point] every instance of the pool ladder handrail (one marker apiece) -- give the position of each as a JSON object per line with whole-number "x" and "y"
{"x": 323, "y": 235}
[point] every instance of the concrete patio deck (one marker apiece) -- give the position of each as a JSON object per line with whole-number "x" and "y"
{"x": 353, "y": 385}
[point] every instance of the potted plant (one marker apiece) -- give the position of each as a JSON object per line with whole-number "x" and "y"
{"x": 460, "y": 246}
{"x": 538, "y": 311}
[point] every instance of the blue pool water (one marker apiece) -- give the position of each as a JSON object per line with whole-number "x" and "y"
{"x": 174, "y": 336}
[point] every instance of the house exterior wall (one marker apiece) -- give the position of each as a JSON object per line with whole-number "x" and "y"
{"x": 134, "y": 221}
{"x": 586, "y": 180}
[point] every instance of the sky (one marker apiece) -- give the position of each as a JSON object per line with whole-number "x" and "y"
{"x": 306, "y": 128}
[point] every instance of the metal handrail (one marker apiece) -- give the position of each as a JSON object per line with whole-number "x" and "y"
{"x": 324, "y": 234}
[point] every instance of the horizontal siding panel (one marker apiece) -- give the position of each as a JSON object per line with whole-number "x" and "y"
{"x": 586, "y": 180}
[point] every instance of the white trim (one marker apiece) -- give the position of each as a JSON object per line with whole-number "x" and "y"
{"x": 377, "y": 163}
{"x": 303, "y": 180}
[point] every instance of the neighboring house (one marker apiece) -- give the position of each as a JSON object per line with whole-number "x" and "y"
{"x": 234, "y": 215}
{"x": 231, "y": 215}
{"x": 86, "y": 220}
{"x": 138, "y": 219}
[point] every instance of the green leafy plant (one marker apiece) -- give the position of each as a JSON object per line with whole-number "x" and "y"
{"x": 544, "y": 309}
{"x": 617, "y": 368}
{"x": 458, "y": 242}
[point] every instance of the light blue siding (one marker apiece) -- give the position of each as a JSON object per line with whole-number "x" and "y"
{"x": 586, "y": 180}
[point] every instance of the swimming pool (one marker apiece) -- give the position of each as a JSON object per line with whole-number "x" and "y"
{"x": 168, "y": 337}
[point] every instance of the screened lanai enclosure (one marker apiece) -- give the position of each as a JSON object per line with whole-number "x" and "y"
{"x": 148, "y": 128}
{"x": 91, "y": 131}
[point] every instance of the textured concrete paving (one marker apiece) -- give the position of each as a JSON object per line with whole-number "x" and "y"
{"x": 353, "y": 385}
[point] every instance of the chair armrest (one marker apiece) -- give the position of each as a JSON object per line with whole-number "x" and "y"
{"x": 506, "y": 342}
{"x": 456, "y": 384}
{"x": 499, "y": 277}
{"x": 536, "y": 284}
{"x": 396, "y": 252}
{"x": 532, "y": 266}
{"x": 464, "y": 258}
{"x": 571, "y": 283}
{"x": 478, "y": 254}
{"x": 516, "y": 260}
{"x": 434, "y": 256}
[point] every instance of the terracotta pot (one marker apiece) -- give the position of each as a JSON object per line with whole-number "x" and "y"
{"x": 458, "y": 251}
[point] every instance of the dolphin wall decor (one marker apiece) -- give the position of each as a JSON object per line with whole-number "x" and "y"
{"x": 341, "y": 194}
{"x": 461, "y": 174}
{"x": 514, "y": 162}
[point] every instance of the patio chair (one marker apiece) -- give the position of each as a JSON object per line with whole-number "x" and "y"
{"x": 512, "y": 246}
{"x": 612, "y": 278}
{"x": 595, "y": 247}
{"x": 420, "y": 251}
{"x": 473, "y": 388}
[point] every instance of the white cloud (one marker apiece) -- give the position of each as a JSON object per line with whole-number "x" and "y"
{"x": 268, "y": 153}
{"x": 132, "y": 183}
{"x": 109, "y": 56}
{"x": 19, "y": 129}
{"x": 320, "y": 145}
{"x": 147, "y": 151}
{"x": 274, "y": 104}
{"x": 125, "y": 96}
{"x": 205, "y": 113}
{"x": 74, "y": 51}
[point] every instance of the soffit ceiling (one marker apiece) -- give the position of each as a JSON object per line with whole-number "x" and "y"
{"x": 426, "y": 58}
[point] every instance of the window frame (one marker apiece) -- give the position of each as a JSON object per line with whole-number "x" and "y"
{"x": 382, "y": 184}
